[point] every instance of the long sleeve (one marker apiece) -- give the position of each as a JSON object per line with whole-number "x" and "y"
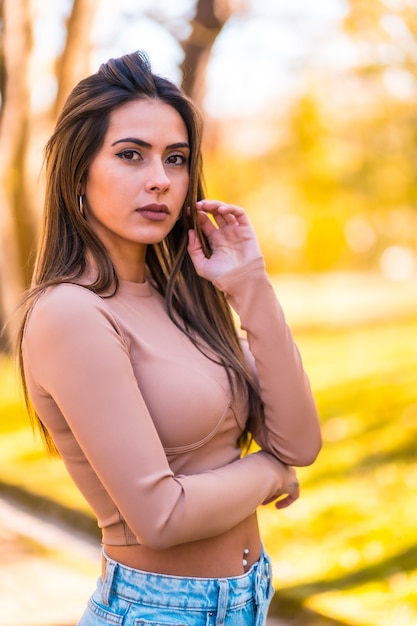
{"x": 291, "y": 430}
{"x": 76, "y": 356}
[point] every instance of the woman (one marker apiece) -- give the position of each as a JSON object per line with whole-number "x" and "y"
{"x": 133, "y": 367}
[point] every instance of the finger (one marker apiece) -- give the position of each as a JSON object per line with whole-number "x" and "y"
{"x": 195, "y": 246}
{"x": 205, "y": 223}
{"x": 292, "y": 496}
{"x": 234, "y": 215}
{"x": 225, "y": 218}
{"x": 217, "y": 208}
{"x": 195, "y": 250}
{"x": 208, "y": 205}
{"x": 219, "y": 219}
{"x": 285, "y": 502}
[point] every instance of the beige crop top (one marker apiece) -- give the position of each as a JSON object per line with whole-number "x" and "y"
{"x": 147, "y": 425}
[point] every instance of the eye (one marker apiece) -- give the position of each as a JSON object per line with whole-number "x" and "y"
{"x": 177, "y": 159}
{"x": 129, "y": 155}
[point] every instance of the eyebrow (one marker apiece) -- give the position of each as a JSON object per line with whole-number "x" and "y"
{"x": 145, "y": 144}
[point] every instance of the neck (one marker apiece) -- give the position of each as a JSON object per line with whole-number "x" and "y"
{"x": 130, "y": 272}
{"x": 130, "y": 263}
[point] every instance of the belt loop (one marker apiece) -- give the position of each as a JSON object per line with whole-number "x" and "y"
{"x": 222, "y": 602}
{"x": 263, "y": 589}
{"x": 108, "y": 580}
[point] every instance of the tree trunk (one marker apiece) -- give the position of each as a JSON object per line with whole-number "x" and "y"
{"x": 74, "y": 63}
{"x": 16, "y": 228}
{"x": 210, "y": 17}
{"x": 17, "y": 196}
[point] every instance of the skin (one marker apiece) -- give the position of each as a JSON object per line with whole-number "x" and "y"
{"x": 144, "y": 162}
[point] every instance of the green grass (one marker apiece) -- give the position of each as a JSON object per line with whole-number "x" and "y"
{"x": 347, "y": 549}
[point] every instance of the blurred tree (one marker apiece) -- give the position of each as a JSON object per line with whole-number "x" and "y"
{"x": 338, "y": 188}
{"x": 16, "y": 227}
{"x": 74, "y": 62}
{"x": 210, "y": 17}
{"x": 18, "y": 215}
{"x": 384, "y": 128}
{"x": 385, "y": 34}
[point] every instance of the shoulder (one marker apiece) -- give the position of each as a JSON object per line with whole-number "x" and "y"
{"x": 67, "y": 305}
{"x": 67, "y": 292}
{"x": 66, "y": 299}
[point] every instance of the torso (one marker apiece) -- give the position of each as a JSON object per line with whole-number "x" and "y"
{"x": 195, "y": 415}
{"x": 218, "y": 557}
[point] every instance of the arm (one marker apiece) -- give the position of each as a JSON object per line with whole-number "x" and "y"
{"x": 291, "y": 431}
{"x": 82, "y": 362}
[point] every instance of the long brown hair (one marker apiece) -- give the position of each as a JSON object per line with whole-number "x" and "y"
{"x": 194, "y": 304}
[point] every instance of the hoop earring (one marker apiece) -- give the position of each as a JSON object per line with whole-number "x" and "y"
{"x": 81, "y": 205}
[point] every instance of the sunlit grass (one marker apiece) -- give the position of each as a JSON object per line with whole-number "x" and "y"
{"x": 23, "y": 460}
{"x": 347, "y": 549}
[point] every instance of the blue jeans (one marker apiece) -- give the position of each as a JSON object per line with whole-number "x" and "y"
{"x": 130, "y": 597}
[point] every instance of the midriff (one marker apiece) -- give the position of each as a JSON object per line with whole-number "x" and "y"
{"x": 217, "y": 557}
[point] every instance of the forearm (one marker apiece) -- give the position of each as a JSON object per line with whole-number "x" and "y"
{"x": 189, "y": 508}
{"x": 291, "y": 429}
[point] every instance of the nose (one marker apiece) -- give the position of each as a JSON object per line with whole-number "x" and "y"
{"x": 158, "y": 180}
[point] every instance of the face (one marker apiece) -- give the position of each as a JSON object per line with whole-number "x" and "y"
{"x": 137, "y": 183}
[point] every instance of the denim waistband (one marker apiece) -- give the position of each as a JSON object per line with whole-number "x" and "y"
{"x": 185, "y": 592}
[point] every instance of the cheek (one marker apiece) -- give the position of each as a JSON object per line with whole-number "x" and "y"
{"x": 102, "y": 185}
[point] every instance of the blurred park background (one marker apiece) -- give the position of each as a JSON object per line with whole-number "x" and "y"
{"x": 311, "y": 124}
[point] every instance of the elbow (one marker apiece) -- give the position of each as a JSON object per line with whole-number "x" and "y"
{"x": 301, "y": 455}
{"x": 309, "y": 453}
{"x": 307, "y": 457}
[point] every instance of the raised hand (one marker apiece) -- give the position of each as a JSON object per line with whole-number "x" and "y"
{"x": 231, "y": 238}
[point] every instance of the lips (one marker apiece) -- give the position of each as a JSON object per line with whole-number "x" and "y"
{"x": 154, "y": 211}
{"x": 155, "y": 208}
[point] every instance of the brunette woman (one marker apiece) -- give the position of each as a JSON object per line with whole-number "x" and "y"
{"x": 133, "y": 367}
